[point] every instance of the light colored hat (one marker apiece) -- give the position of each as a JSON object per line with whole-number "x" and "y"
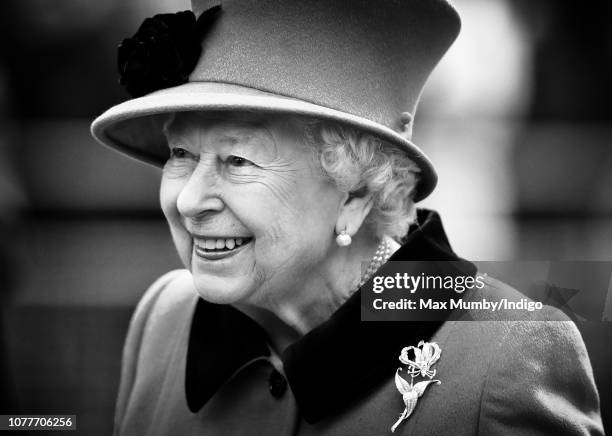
{"x": 363, "y": 63}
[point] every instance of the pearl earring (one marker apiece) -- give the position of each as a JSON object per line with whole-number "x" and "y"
{"x": 344, "y": 239}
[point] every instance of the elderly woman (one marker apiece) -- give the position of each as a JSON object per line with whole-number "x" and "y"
{"x": 289, "y": 179}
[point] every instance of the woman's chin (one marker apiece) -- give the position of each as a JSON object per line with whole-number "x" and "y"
{"x": 222, "y": 290}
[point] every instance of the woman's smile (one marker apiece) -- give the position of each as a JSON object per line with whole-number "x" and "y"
{"x": 217, "y": 248}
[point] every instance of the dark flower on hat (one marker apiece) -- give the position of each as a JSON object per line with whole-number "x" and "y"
{"x": 163, "y": 52}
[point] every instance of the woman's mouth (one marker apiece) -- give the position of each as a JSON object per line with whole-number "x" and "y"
{"x": 219, "y": 248}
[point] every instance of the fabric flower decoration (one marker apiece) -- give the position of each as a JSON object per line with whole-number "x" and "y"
{"x": 163, "y": 52}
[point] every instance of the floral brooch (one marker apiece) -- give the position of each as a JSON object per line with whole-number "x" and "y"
{"x": 163, "y": 52}
{"x": 425, "y": 355}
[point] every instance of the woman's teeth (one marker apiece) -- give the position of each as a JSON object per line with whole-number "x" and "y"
{"x": 220, "y": 244}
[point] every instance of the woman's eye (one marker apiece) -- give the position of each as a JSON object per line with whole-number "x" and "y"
{"x": 178, "y": 152}
{"x": 238, "y": 161}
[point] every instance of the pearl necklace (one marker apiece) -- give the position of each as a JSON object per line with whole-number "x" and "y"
{"x": 383, "y": 253}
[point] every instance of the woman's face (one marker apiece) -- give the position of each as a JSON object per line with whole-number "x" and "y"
{"x": 250, "y": 214}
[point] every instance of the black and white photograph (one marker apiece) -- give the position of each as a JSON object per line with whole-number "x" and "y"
{"x": 317, "y": 217}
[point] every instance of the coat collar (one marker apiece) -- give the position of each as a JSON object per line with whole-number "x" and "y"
{"x": 316, "y": 365}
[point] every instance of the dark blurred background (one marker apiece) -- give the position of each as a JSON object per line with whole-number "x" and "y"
{"x": 516, "y": 119}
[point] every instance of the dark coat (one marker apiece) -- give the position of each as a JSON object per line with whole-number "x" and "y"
{"x": 194, "y": 368}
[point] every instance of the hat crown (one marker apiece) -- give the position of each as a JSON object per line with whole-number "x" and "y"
{"x": 367, "y": 58}
{"x": 362, "y": 63}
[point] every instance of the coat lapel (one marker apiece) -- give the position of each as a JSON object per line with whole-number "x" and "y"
{"x": 335, "y": 364}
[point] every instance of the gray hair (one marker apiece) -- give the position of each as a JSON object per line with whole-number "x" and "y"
{"x": 360, "y": 163}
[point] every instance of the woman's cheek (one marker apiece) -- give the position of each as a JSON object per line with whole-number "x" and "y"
{"x": 175, "y": 175}
{"x": 168, "y": 194}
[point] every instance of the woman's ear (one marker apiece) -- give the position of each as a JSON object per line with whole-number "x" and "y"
{"x": 354, "y": 208}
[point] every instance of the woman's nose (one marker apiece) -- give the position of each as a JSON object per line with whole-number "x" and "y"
{"x": 200, "y": 194}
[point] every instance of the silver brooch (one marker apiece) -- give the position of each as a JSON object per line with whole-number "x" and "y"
{"x": 425, "y": 355}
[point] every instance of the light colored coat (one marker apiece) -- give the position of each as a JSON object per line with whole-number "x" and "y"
{"x": 497, "y": 377}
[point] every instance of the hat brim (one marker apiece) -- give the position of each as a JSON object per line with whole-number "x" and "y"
{"x": 135, "y": 126}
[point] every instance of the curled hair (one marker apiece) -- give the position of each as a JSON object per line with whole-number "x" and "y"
{"x": 359, "y": 163}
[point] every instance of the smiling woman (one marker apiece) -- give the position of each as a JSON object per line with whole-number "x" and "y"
{"x": 232, "y": 178}
{"x": 239, "y": 189}
{"x": 289, "y": 178}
